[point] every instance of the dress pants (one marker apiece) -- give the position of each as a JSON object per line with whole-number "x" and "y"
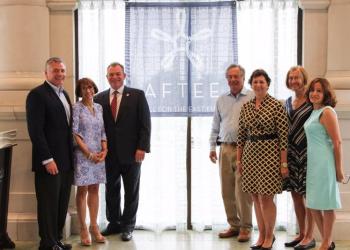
{"x": 52, "y": 193}
{"x": 238, "y": 204}
{"x": 122, "y": 220}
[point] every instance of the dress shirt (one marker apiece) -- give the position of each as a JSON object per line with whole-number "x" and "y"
{"x": 119, "y": 97}
{"x": 59, "y": 93}
{"x": 226, "y": 117}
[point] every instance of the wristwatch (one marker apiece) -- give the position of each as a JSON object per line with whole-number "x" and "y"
{"x": 284, "y": 165}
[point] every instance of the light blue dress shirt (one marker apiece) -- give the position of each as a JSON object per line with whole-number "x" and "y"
{"x": 226, "y": 117}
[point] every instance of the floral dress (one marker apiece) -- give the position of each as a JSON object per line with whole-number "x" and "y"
{"x": 90, "y": 128}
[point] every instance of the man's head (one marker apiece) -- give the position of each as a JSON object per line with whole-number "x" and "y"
{"x": 115, "y": 75}
{"x": 55, "y": 71}
{"x": 235, "y": 74}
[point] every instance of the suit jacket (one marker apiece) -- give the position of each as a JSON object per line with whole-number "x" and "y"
{"x": 48, "y": 128}
{"x": 132, "y": 128}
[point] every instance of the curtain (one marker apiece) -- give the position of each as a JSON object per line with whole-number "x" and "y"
{"x": 266, "y": 38}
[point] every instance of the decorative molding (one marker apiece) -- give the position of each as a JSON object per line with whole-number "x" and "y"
{"x": 62, "y": 5}
{"x": 12, "y": 113}
{"x": 340, "y": 79}
{"x": 314, "y": 4}
{"x": 20, "y": 80}
{"x": 41, "y": 3}
{"x": 339, "y": 2}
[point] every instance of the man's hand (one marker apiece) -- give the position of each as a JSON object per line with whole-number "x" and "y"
{"x": 51, "y": 168}
{"x": 139, "y": 155}
{"x": 213, "y": 157}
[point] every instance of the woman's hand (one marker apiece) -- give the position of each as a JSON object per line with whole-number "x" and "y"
{"x": 239, "y": 167}
{"x": 284, "y": 172}
{"x": 340, "y": 176}
{"x": 101, "y": 156}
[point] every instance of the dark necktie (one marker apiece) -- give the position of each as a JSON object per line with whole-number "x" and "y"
{"x": 114, "y": 104}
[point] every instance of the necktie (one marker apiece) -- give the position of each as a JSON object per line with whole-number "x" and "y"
{"x": 114, "y": 104}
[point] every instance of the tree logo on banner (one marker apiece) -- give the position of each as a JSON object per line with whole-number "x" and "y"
{"x": 195, "y": 59}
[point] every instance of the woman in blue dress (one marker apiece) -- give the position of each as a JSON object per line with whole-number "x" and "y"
{"x": 89, "y": 157}
{"x": 324, "y": 159}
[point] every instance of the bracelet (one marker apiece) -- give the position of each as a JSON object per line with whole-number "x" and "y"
{"x": 284, "y": 165}
{"x": 90, "y": 156}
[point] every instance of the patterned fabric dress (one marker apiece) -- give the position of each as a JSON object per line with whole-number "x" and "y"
{"x": 90, "y": 128}
{"x": 261, "y": 158}
{"x": 297, "y": 157}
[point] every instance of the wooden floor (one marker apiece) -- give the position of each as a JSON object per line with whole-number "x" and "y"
{"x": 172, "y": 240}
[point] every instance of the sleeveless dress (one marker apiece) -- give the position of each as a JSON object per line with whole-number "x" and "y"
{"x": 90, "y": 128}
{"x": 297, "y": 156}
{"x": 322, "y": 191}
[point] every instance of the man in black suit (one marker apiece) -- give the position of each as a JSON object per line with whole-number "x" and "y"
{"x": 128, "y": 128}
{"x": 49, "y": 120}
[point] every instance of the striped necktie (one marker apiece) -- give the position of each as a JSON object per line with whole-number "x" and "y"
{"x": 114, "y": 104}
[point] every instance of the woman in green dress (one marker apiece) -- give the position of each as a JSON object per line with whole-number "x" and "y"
{"x": 324, "y": 159}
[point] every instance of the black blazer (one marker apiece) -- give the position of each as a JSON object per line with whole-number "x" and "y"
{"x": 131, "y": 130}
{"x": 49, "y": 131}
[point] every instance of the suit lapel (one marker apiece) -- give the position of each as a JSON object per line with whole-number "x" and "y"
{"x": 56, "y": 99}
{"x": 123, "y": 103}
{"x": 106, "y": 103}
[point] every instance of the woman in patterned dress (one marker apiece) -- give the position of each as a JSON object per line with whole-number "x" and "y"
{"x": 298, "y": 111}
{"x": 262, "y": 154}
{"x": 89, "y": 157}
{"x": 324, "y": 159}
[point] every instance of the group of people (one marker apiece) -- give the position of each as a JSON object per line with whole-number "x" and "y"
{"x": 267, "y": 147}
{"x": 100, "y": 139}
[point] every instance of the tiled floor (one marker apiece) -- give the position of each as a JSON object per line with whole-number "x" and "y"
{"x": 172, "y": 240}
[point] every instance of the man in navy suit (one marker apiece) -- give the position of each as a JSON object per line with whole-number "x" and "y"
{"x": 49, "y": 120}
{"x": 127, "y": 122}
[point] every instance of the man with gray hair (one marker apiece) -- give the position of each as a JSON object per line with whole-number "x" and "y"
{"x": 49, "y": 120}
{"x": 238, "y": 205}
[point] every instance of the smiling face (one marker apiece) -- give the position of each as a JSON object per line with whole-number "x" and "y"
{"x": 87, "y": 91}
{"x": 260, "y": 86}
{"x": 235, "y": 80}
{"x": 296, "y": 81}
{"x": 316, "y": 94}
{"x": 115, "y": 76}
{"x": 56, "y": 73}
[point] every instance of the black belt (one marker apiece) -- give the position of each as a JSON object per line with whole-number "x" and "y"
{"x": 228, "y": 143}
{"x": 254, "y": 138}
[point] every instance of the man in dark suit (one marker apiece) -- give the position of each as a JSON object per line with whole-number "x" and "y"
{"x": 128, "y": 128}
{"x": 49, "y": 120}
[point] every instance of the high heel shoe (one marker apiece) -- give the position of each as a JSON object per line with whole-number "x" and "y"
{"x": 84, "y": 237}
{"x": 269, "y": 248}
{"x": 96, "y": 235}
{"x": 332, "y": 246}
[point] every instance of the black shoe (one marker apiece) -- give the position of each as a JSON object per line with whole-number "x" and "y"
{"x": 269, "y": 248}
{"x": 332, "y": 246}
{"x": 126, "y": 236}
{"x": 255, "y": 246}
{"x": 64, "y": 246}
{"x": 309, "y": 245}
{"x": 109, "y": 230}
{"x": 55, "y": 247}
{"x": 292, "y": 243}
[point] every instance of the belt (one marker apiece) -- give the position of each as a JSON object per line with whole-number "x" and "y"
{"x": 254, "y": 138}
{"x": 229, "y": 143}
